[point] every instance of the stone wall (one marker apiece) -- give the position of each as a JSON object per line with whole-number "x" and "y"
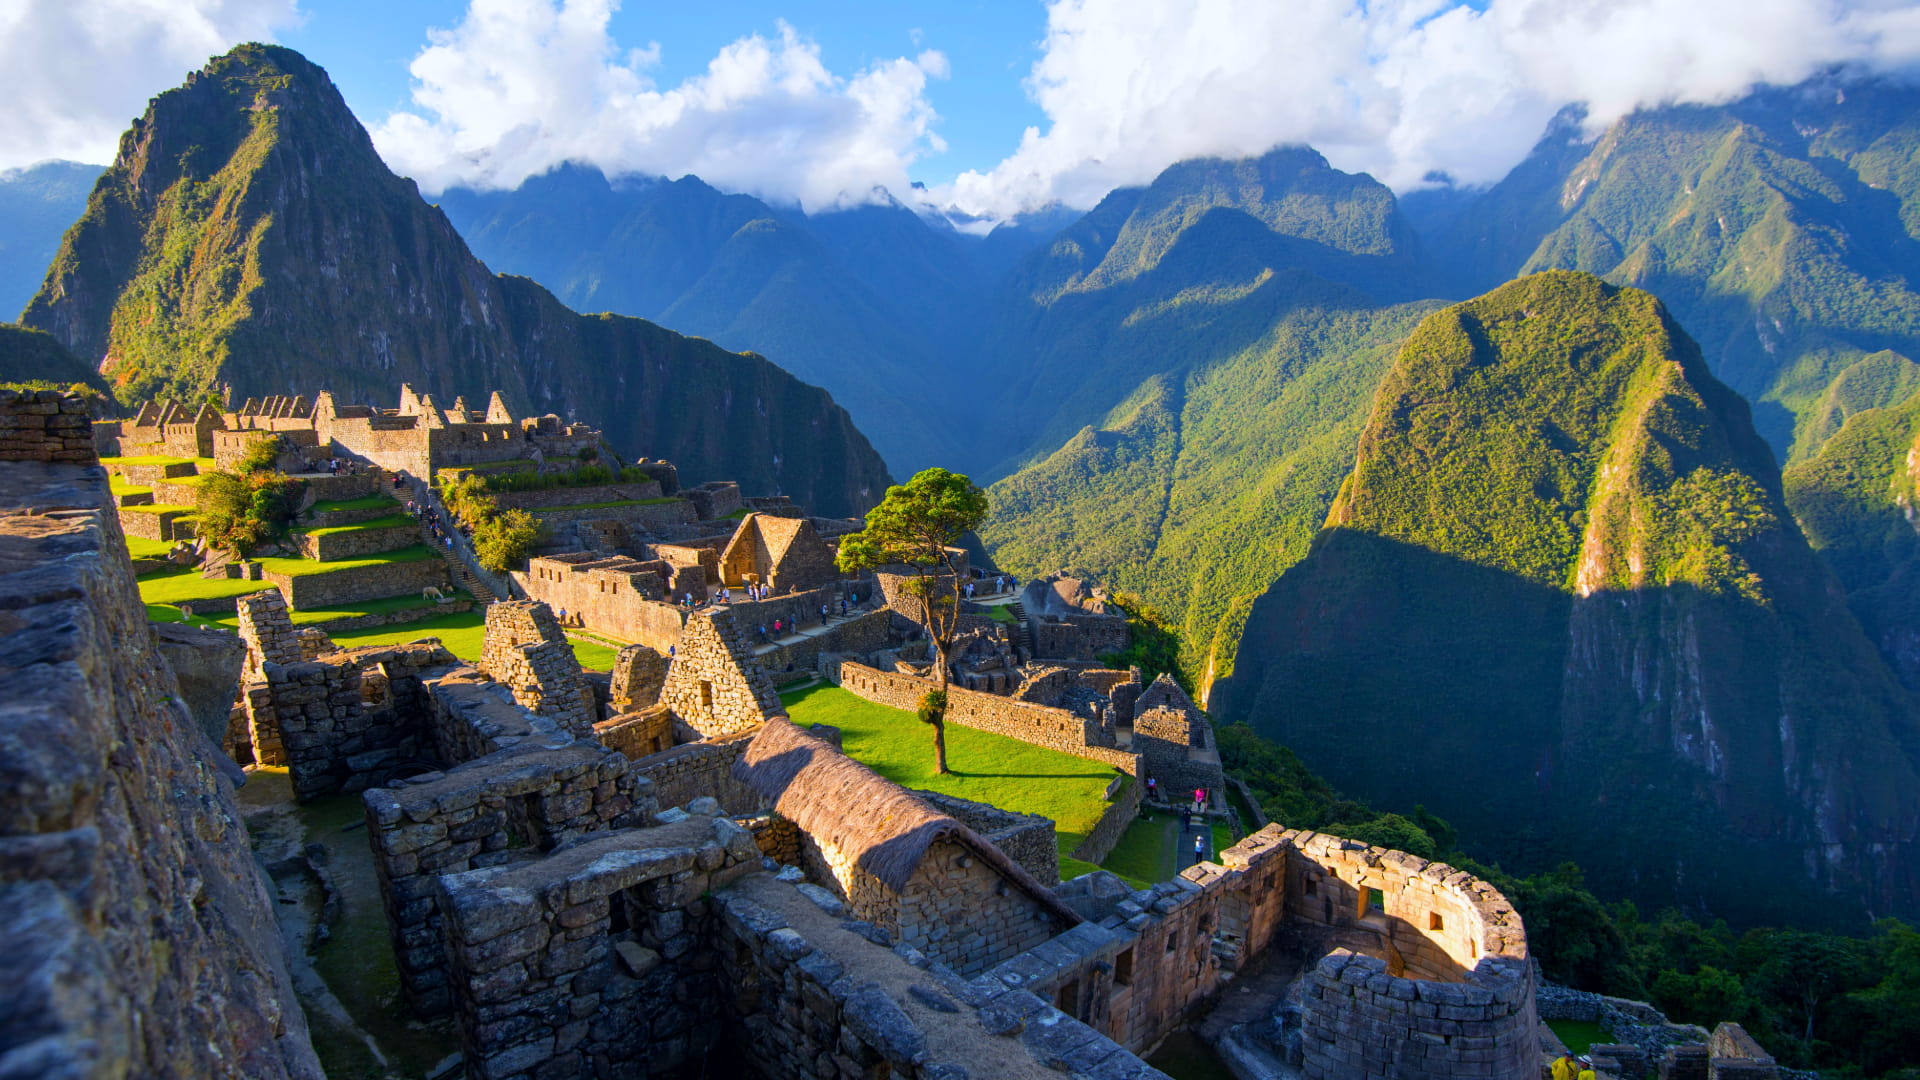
{"x": 377, "y": 582}
{"x": 150, "y": 524}
{"x": 1027, "y": 839}
{"x": 45, "y": 426}
{"x": 681, "y": 774}
{"x": 141, "y": 936}
{"x": 526, "y": 651}
{"x": 597, "y": 960}
{"x": 1079, "y": 637}
{"x": 575, "y": 496}
{"x": 524, "y": 799}
{"x": 610, "y": 594}
{"x": 1358, "y": 1021}
{"x": 352, "y": 720}
{"x": 639, "y": 672}
{"x": 814, "y": 996}
{"x": 1041, "y": 725}
{"x": 859, "y": 634}
{"x": 639, "y": 733}
{"x": 1120, "y": 812}
{"x": 675, "y": 512}
{"x": 356, "y": 543}
{"x": 267, "y": 631}
{"x": 714, "y": 683}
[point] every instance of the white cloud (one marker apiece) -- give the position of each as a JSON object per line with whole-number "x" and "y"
{"x": 73, "y": 74}
{"x": 522, "y": 85}
{"x": 1393, "y": 87}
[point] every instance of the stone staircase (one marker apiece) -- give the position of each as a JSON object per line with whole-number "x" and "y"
{"x": 457, "y": 568}
{"x": 1023, "y": 637}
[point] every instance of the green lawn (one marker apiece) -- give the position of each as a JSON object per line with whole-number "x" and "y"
{"x": 177, "y": 585}
{"x": 462, "y": 632}
{"x": 1223, "y": 838}
{"x": 985, "y": 767}
{"x": 1146, "y": 852}
{"x": 366, "y": 502}
{"x": 660, "y": 501}
{"x": 119, "y": 486}
{"x": 157, "y": 508}
{"x": 141, "y": 548}
{"x": 159, "y": 459}
{"x": 1578, "y": 1035}
{"x": 999, "y": 613}
{"x": 388, "y": 522}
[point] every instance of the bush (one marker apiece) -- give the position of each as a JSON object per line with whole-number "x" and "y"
{"x": 238, "y": 512}
{"x": 502, "y": 540}
{"x": 260, "y": 456}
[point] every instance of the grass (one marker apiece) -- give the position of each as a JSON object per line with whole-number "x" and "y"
{"x": 1578, "y": 1035}
{"x": 181, "y": 584}
{"x": 141, "y": 548}
{"x": 119, "y": 486}
{"x": 391, "y": 605}
{"x": 365, "y": 502}
{"x": 1147, "y": 851}
{"x": 389, "y": 522}
{"x": 987, "y": 768}
{"x": 659, "y": 501}
{"x": 999, "y": 613}
{"x": 592, "y": 655}
{"x": 158, "y": 459}
{"x": 157, "y": 508}
{"x": 1223, "y": 838}
{"x": 460, "y": 631}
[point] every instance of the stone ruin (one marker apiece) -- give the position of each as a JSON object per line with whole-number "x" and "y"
{"x": 526, "y": 651}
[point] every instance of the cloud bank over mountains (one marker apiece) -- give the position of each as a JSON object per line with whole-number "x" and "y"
{"x": 1398, "y": 88}
{"x": 74, "y": 73}
{"x": 520, "y": 86}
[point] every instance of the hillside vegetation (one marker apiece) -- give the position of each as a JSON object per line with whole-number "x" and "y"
{"x": 1560, "y": 601}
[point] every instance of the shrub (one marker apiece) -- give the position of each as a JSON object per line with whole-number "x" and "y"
{"x": 238, "y": 512}
{"x": 502, "y": 540}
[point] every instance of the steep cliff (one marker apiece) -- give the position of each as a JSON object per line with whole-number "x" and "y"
{"x": 1560, "y": 601}
{"x": 247, "y": 234}
{"x": 141, "y": 938}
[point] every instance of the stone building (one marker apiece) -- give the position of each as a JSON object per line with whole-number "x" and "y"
{"x": 1176, "y": 741}
{"x": 525, "y": 650}
{"x": 714, "y": 684}
{"x": 897, "y": 862}
{"x": 785, "y": 554}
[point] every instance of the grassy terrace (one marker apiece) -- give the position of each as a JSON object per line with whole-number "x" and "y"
{"x": 460, "y": 631}
{"x": 157, "y": 508}
{"x": 388, "y": 522}
{"x": 365, "y": 502}
{"x": 119, "y": 486}
{"x": 148, "y": 549}
{"x": 179, "y": 585}
{"x": 985, "y": 767}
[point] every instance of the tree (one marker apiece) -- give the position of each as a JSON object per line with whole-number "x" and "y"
{"x": 502, "y": 540}
{"x": 917, "y": 525}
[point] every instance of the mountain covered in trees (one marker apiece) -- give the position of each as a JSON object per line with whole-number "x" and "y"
{"x": 248, "y": 236}
{"x": 1561, "y": 596}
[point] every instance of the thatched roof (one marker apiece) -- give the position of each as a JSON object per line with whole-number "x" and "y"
{"x": 884, "y": 828}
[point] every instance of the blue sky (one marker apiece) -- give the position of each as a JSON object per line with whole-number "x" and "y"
{"x": 996, "y": 106}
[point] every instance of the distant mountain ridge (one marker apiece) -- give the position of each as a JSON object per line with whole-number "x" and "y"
{"x": 37, "y": 203}
{"x": 248, "y": 235}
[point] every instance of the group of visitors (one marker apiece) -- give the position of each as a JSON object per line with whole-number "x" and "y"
{"x": 1569, "y": 1067}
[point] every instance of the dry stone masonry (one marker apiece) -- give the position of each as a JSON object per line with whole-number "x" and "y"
{"x": 526, "y": 650}
{"x": 714, "y": 683}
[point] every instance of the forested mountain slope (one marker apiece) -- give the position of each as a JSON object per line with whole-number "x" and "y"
{"x": 1559, "y": 601}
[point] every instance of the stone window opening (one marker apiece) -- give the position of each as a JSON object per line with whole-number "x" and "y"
{"x": 525, "y": 828}
{"x": 1068, "y": 999}
{"x": 1372, "y": 902}
{"x": 1435, "y": 922}
{"x": 1173, "y": 940}
{"x": 1123, "y": 969}
{"x": 1312, "y": 887}
{"x": 706, "y": 695}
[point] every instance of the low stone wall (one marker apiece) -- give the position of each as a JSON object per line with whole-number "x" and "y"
{"x": 1113, "y": 823}
{"x": 1041, "y": 725}
{"x": 330, "y": 519}
{"x": 356, "y": 543}
{"x": 377, "y": 582}
{"x": 677, "y": 512}
{"x": 148, "y": 475}
{"x": 45, "y": 425}
{"x": 681, "y": 774}
{"x": 596, "y": 960}
{"x": 391, "y": 618}
{"x": 1078, "y": 637}
{"x": 637, "y": 734}
{"x": 861, "y": 633}
{"x": 484, "y": 813}
{"x": 1027, "y": 839}
{"x": 1359, "y": 1021}
{"x": 137, "y": 520}
{"x": 574, "y": 496}
{"x": 351, "y": 720}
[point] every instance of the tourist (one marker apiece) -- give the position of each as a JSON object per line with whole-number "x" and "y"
{"x": 824, "y": 613}
{"x": 687, "y": 599}
{"x": 1199, "y": 799}
{"x": 1566, "y": 1067}
{"x": 776, "y": 628}
{"x": 843, "y": 607}
{"x": 1199, "y": 846}
{"x": 563, "y": 616}
{"x": 672, "y": 651}
{"x": 1153, "y": 790}
{"x": 1586, "y": 1069}
{"x": 763, "y": 633}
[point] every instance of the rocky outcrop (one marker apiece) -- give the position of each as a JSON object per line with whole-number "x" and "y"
{"x": 249, "y": 219}
{"x": 141, "y": 937}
